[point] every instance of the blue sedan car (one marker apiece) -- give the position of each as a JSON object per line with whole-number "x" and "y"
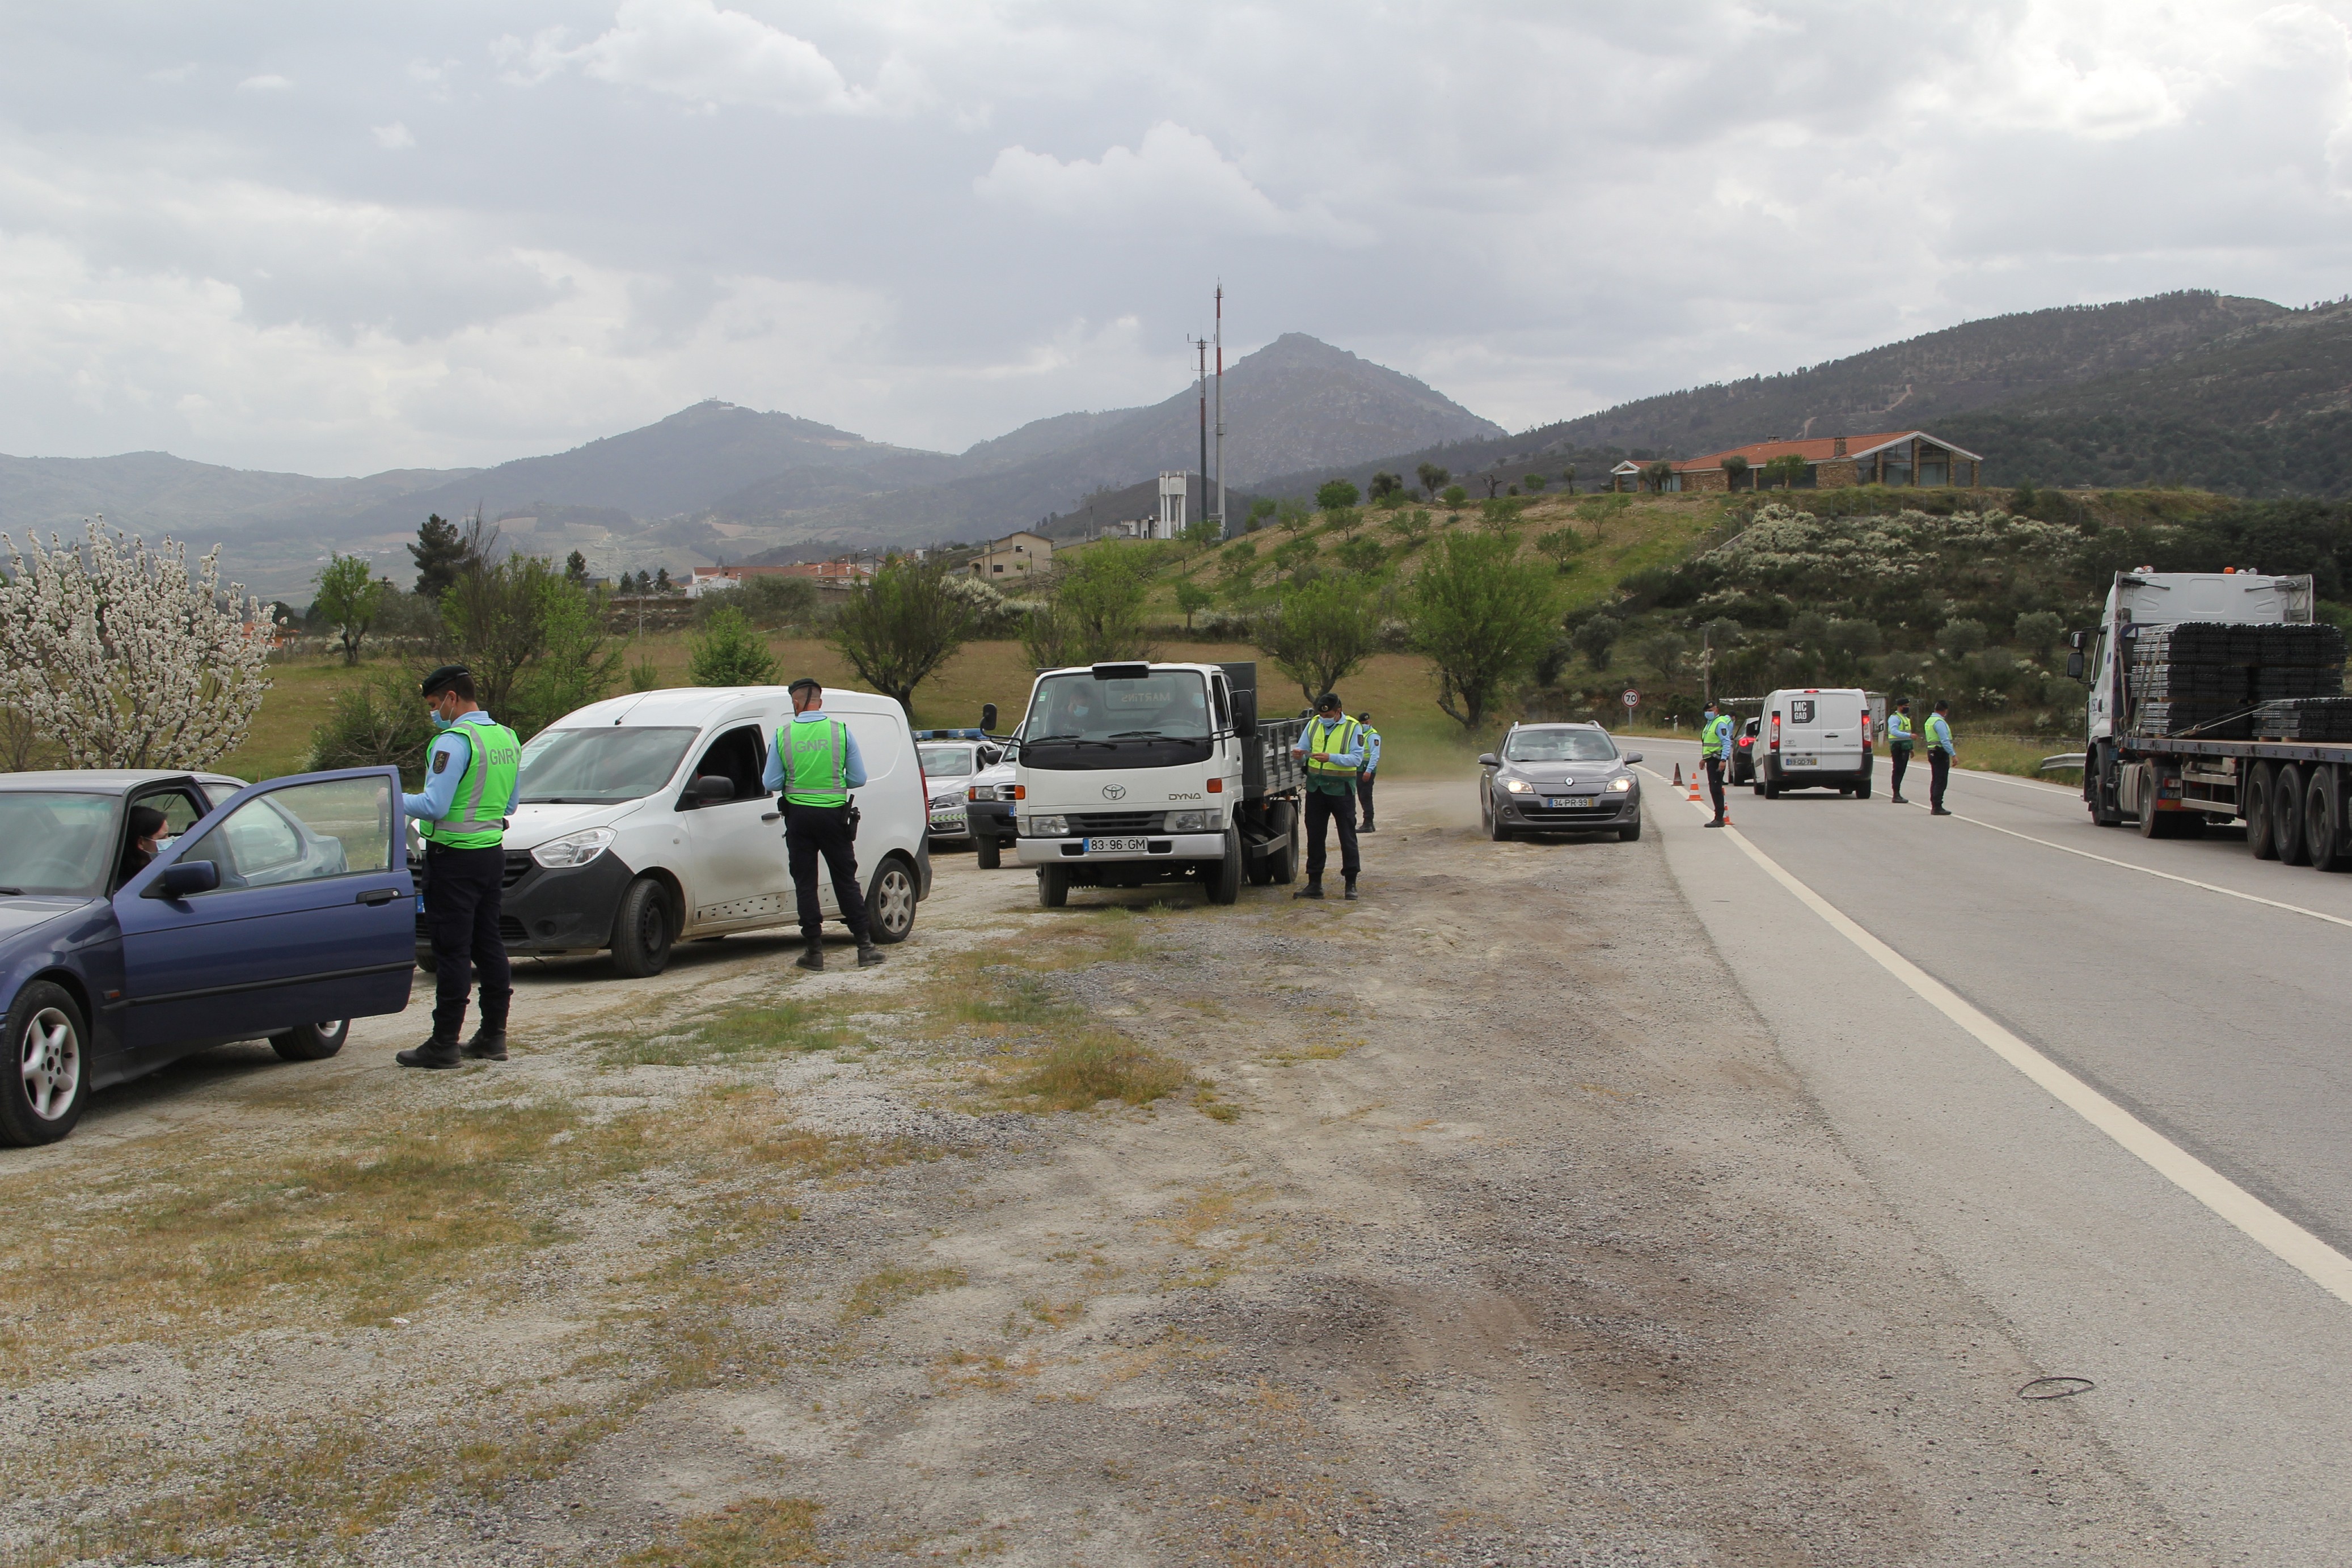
{"x": 277, "y": 911}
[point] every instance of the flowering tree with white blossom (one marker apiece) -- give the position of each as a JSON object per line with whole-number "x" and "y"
{"x": 124, "y": 658}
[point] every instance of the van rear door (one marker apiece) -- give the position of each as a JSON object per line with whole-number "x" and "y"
{"x": 1800, "y": 731}
{"x": 1839, "y": 743}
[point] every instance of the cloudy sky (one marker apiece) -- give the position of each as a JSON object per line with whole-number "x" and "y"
{"x": 340, "y": 239}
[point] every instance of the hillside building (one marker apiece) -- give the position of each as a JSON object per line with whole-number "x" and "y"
{"x": 1889, "y": 457}
{"x": 1013, "y": 556}
{"x": 838, "y": 575}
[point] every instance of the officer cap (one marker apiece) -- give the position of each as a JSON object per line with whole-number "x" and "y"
{"x": 805, "y": 684}
{"x": 1363, "y": 718}
{"x": 1327, "y": 702}
{"x": 442, "y": 679}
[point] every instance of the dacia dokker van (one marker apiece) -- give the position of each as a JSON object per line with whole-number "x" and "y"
{"x": 641, "y": 822}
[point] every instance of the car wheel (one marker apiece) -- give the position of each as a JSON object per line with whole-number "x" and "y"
{"x": 1224, "y": 885}
{"x": 643, "y": 931}
{"x": 1862, "y": 790}
{"x": 1630, "y": 831}
{"x": 1053, "y": 886}
{"x": 312, "y": 1041}
{"x": 428, "y": 963}
{"x": 890, "y": 902}
{"x": 986, "y": 853}
{"x": 45, "y": 1097}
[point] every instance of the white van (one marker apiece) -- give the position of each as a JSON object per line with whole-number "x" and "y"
{"x": 642, "y": 823}
{"x": 1818, "y": 738}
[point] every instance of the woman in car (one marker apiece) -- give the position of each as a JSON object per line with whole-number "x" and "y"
{"x": 146, "y": 825}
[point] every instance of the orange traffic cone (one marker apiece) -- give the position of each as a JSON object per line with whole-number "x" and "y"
{"x": 1678, "y": 775}
{"x": 1694, "y": 782}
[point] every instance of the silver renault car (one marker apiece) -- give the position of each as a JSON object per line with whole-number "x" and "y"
{"x": 1560, "y": 779}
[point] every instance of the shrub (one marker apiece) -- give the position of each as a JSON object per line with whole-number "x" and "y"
{"x": 1362, "y": 555}
{"x": 902, "y": 623}
{"x": 1320, "y": 634}
{"x": 1454, "y": 495}
{"x": 377, "y": 722}
{"x": 1481, "y": 617}
{"x": 1332, "y": 495}
{"x": 727, "y": 652}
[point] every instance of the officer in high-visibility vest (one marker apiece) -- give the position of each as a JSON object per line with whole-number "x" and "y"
{"x": 1898, "y": 743}
{"x": 1371, "y": 766}
{"x": 1940, "y": 756}
{"x": 815, "y": 764}
{"x": 1715, "y": 750}
{"x": 470, "y": 777}
{"x": 1333, "y": 746}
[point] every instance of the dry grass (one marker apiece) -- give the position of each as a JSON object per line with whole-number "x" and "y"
{"x": 1080, "y": 1072}
{"x": 748, "y": 1534}
{"x": 750, "y": 1034}
{"x": 886, "y": 1287}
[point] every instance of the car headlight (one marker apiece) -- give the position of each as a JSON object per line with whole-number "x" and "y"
{"x": 1049, "y": 827}
{"x": 1518, "y": 785}
{"x": 1192, "y": 821}
{"x": 1620, "y": 786}
{"x": 981, "y": 792}
{"x": 946, "y": 802}
{"x": 575, "y": 848}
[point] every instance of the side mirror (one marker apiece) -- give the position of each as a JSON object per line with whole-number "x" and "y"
{"x": 180, "y": 880}
{"x": 1632, "y": 757}
{"x": 1489, "y": 760}
{"x": 1245, "y": 715}
{"x": 2074, "y": 666}
{"x": 710, "y": 789}
{"x": 988, "y": 717}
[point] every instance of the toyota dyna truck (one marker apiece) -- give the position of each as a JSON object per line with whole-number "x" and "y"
{"x": 2170, "y": 778}
{"x": 1132, "y": 774}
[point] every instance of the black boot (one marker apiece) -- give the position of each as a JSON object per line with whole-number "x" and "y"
{"x": 437, "y": 1051}
{"x": 487, "y": 1045}
{"x": 1314, "y": 889}
{"x": 1368, "y": 827}
{"x": 869, "y": 955}
{"x": 1350, "y": 893}
{"x": 812, "y": 957}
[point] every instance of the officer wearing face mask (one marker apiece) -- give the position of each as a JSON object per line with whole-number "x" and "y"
{"x": 470, "y": 778}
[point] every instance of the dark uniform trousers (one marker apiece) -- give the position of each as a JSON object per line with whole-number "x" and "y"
{"x": 463, "y": 895}
{"x": 1324, "y": 806}
{"x": 1364, "y": 795}
{"x": 1715, "y": 781}
{"x": 811, "y": 832}
{"x": 1940, "y": 769}
{"x": 1902, "y": 755}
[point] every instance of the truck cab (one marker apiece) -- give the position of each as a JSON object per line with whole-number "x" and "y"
{"x": 1131, "y": 773}
{"x": 2139, "y": 599}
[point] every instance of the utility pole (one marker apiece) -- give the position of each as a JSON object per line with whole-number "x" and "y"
{"x": 1201, "y": 345}
{"x": 1221, "y": 410}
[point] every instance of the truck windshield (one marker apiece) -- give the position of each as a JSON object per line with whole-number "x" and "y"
{"x": 1157, "y": 720}
{"x": 599, "y": 767}
{"x": 56, "y": 843}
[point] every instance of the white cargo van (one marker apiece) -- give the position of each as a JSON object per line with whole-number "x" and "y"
{"x": 1817, "y": 738}
{"x": 642, "y": 823}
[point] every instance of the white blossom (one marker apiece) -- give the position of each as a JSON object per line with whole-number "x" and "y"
{"x": 124, "y": 659}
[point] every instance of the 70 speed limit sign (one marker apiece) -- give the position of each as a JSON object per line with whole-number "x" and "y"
{"x": 1633, "y": 699}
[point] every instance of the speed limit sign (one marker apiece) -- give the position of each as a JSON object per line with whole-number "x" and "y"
{"x": 1633, "y": 698}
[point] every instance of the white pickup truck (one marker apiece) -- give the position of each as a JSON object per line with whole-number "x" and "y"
{"x": 1129, "y": 774}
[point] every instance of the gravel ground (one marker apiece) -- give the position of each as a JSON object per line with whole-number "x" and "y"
{"x": 1510, "y": 1239}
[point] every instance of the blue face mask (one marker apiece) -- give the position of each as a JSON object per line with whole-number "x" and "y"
{"x": 439, "y": 723}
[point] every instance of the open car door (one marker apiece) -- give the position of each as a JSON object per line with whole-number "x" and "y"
{"x": 306, "y": 918}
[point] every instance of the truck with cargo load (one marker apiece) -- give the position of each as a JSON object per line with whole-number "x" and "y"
{"x": 1131, "y": 773}
{"x": 2215, "y": 698}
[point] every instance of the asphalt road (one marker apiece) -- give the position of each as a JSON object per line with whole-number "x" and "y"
{"x": 2223, "y": 1377}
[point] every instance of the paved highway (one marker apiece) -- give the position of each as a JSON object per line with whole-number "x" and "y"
{"x": 2212, "y": 1014}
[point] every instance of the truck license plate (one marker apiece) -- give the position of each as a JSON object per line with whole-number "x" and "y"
{"x": 1116, "y": 845}
{"x": 1556, "y": 801}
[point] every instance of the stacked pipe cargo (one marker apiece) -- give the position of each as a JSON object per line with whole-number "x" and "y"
{"x": 2213, "y": 678}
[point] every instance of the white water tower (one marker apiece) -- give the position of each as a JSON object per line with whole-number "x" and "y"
{"x": 1174, "y": 490}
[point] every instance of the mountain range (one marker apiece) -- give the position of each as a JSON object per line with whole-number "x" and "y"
{"x": 2194, "y": 388}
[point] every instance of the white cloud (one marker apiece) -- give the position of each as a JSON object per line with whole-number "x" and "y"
{"x": 1175, "y": 176}
{"x": 269, "y": 83}
{"x": 393, "y": 136}
{"x": 694, "y": 50}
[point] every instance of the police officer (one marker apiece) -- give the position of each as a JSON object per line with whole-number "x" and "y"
{"x": 1371, "y": 766}
{"x": 1715, "y": 750}
{"x": 815, "y": 764}
{"x": 1939, "y": 758}
{"x": 1898, "y": 743}
{"x": 469, "y": 793}
{"x": 1333, "y": 746}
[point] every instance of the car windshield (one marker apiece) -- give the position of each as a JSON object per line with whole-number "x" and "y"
{"x": 945, "y": 761}
{"x": 1559, "y": 746}
{"x": 600, "y": 766}
{"x": 56, "y": 843}
{"x": 1167, "y": 705}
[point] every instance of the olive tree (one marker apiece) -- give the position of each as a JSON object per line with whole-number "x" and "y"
{"x": 348, "y": 599}
{"x": 1093, "y": 610}
{"x": 1320, "y": 634}
{"x": 123, "y": 657}
{"x": 1481, "y": 618}
{"x": 901, "y": 624}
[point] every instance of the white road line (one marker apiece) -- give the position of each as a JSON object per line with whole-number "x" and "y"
{"x": 2315, "y": 1260}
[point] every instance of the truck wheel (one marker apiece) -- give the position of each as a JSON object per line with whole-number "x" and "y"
{"x": 1053, "y": 886}
{"x": 890, "y": 902}
{"x": 40, "y": 1103}
{"x": 642, "y": 931}
{"x": 312, "y": 1041}
{"x": 2322, "y": 821}
{"x": 1224, "y": 885}
{"x": 2153, "y": 823}
{"x": 2286, "y": 815}
{"x": 1282, "y": 867}
{"x": 2256, "y": 806}
{"x": 986, "y": 853}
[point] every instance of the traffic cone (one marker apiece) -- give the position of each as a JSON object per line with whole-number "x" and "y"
{"x": 1678, "y": 775}
{"x": 1694, "y": 782}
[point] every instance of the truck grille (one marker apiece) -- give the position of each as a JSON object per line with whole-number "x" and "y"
{"x": 1085, "y": 823}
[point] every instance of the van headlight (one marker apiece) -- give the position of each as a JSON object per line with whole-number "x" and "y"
{"x": 1620, "y": 786}
{"x": 1192, "y": 821}
{"x": 575, "y": 848}
{"x": 1048, "y": 828}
